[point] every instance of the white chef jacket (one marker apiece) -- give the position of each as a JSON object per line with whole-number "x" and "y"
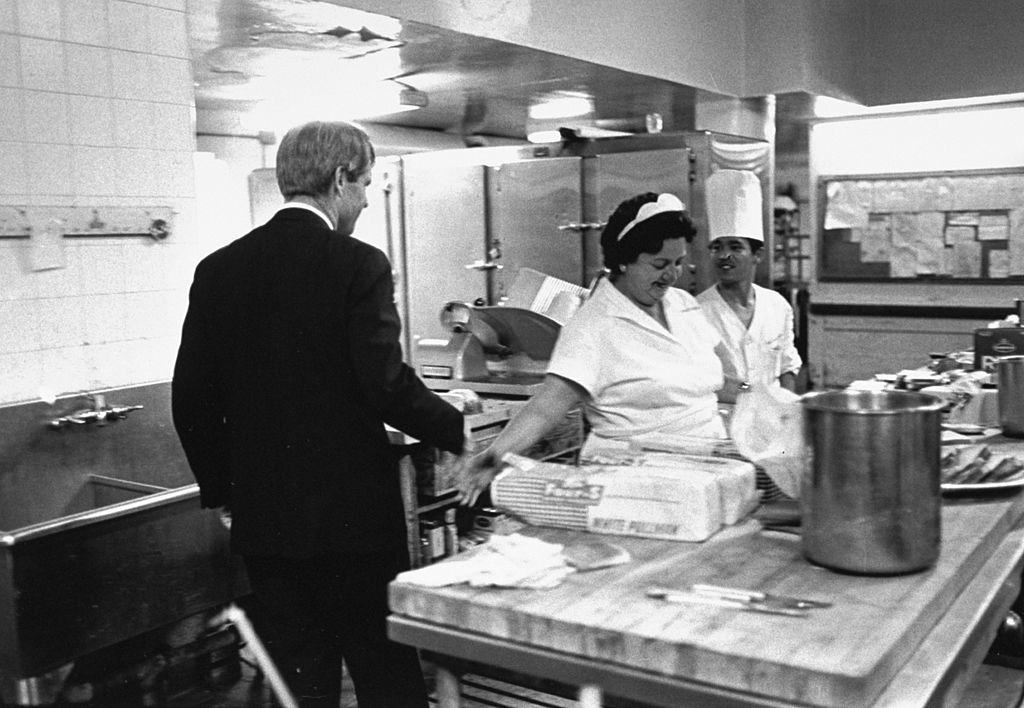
{"x": 763, "y": 351}
{"x": 644, "y": 381}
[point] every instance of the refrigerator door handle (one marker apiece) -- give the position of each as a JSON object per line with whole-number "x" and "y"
{"x": 582, "y": 226}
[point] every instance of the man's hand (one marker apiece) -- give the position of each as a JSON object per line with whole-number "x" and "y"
{"x": 477, "y": 475}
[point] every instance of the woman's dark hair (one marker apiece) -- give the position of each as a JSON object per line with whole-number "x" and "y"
{"x": 646, "y": 237}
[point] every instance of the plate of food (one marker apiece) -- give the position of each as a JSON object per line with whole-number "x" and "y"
{"x": 970, "y": 469}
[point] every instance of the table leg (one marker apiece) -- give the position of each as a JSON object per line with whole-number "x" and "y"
{"x": 590, "y": 696}
{"x": 448, "y": 690}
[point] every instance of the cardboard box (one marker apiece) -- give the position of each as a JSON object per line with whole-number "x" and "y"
{"x": 992, "y": 343}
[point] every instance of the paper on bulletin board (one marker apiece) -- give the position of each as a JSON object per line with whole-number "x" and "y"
{"x": 946, "y": 263}
{"x": 966, "y": 261}
{"x": 1015, "y": 245}
{"x": 887, "y": 195}
{"x": 876, "y": 240}
{"x": 930, "y": 243}
{"x": 903, "y": 261}
{"x": 936, "y": 194}
{"x": 959, "y": 234}
{"x": 993, "y": 227}
{"x": 929, "y": 257}
{"x": 964, "y": 218}
{"x": 981, "y": 192}
{"x": 1015, "y": 188}
{"x": 903, "y": 258}
{"x": 998, "y": 263}
{"x": 844, "y": 210}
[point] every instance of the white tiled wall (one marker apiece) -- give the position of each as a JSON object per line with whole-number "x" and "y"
{"x": 96, "y": 109}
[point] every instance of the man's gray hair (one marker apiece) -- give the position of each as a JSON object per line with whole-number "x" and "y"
{"x": 309, "y": 154}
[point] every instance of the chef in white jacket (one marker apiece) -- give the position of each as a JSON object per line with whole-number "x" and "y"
{"x": 755, "y": 323}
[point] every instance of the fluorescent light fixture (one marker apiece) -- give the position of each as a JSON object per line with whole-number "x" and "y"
{"x": 562, "y": 106}
{"x": 585, "y": 131}
{"x": 296, "y": 104}
{"x": 988, "y": 137}
{"x": 828, "y": 107}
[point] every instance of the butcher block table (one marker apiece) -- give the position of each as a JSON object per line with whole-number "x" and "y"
{"x": 887, "y": 641}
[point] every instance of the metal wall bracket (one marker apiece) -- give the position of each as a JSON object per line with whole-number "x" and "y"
{"x": 154, "y": 222}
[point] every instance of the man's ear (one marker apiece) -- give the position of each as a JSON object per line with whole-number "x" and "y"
{"x": 340, "y": 176}
{"x": 346, "y": 173}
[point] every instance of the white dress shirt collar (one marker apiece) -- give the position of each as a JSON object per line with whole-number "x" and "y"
{"x": 307, "y": 207}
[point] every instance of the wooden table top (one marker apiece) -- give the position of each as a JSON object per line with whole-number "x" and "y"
{"x": 843, "y": 655}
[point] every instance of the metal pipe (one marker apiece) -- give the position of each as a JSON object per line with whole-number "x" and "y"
{"x": 234, "y": 614}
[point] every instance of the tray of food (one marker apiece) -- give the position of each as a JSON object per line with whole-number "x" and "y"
{"x": 978, "y": 468}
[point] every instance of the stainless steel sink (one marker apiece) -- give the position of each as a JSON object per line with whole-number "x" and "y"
{"x": 88, "y": 559}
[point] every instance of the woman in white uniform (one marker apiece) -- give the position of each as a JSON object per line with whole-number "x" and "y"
{"x": 639, "y": 356}
{"x": 755, "y": 323}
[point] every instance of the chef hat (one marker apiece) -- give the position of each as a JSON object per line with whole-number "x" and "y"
{"x": 665, "y": 203}
{"x": 734, "y": 205}
{"x": 784, "y": 202}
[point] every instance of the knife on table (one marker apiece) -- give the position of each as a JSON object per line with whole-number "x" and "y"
{"x": 756, "y": 596}
{"x": 694, "y": 598}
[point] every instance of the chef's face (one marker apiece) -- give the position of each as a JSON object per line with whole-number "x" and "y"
{"x": 351, "y": 200}
{"x": 648, "y": 279}
{"x": 733, "y": 260}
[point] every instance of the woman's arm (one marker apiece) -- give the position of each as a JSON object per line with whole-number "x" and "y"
{"x": 731, "y": 384}
{"x": 555, "y": 399}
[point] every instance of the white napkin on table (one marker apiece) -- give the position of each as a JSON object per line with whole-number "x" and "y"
{"x": 513, "y": 561}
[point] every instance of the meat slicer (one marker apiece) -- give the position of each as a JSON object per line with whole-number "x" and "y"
{"x": 490, "y": 349}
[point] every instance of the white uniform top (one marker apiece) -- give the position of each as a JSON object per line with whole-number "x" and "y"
{"x": 644, "y": 381}
{"x": 763, "y": 351}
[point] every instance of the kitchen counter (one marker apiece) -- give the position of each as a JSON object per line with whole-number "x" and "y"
{"x": 886, "y": 640}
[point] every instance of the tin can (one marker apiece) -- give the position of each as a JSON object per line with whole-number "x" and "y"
{"x": 433, "y": 531}
{"x": 451, "y": 533}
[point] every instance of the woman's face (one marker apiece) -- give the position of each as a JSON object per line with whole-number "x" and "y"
{"x": 648, "y": 279}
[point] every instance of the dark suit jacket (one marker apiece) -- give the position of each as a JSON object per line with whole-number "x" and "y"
{"x": 289, "y": 366}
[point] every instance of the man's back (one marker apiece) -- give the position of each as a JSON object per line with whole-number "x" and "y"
{"x": 296, "y": 328}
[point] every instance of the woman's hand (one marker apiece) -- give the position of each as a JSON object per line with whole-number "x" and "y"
{"x": 479, "y": 472}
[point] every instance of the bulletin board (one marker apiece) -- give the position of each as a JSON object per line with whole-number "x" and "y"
{"x": 943, "y": 226}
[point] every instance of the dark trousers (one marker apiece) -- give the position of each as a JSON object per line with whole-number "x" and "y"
{"x": 313, "y": 613}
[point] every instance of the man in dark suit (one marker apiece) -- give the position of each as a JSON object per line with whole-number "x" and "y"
{"x": 289, "y": 367}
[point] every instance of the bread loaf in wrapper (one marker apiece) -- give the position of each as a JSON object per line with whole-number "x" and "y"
{"x": 676, "y": 498}
{"x": 736, "y": 479}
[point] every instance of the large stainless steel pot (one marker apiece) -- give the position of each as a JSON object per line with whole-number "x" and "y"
{"x": 870, "y": 497}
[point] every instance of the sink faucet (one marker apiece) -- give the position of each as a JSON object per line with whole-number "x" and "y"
{"x": 100, "y": 413}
